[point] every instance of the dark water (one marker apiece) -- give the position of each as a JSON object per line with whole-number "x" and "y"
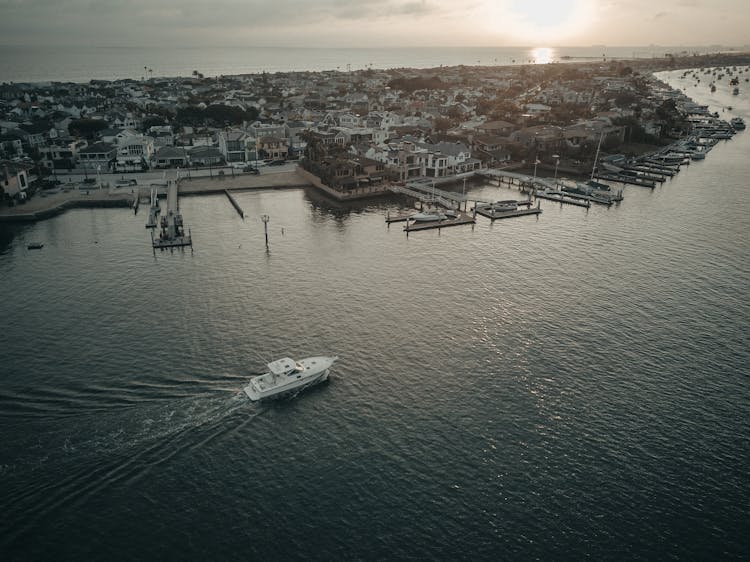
{"x": 565, "y": 388}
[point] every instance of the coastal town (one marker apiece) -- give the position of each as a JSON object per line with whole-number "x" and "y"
{"x": 352, "y": 134}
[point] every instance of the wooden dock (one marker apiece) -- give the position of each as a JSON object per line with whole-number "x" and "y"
{"x": 625, "y": 179}
{"x": 564, "y": 199}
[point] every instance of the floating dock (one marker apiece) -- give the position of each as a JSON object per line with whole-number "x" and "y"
{"x": 625, "y": 179}
{"x": 564, "y": 199}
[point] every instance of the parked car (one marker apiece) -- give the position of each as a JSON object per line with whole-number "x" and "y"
{"x": 277, "y": 163}
{"x": 251, "y": 170}
{"x": 126, "y": 183}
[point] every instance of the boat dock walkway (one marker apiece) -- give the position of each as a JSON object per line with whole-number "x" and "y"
{"x": 153, "y": 208}
{"x": 172, "y": 228}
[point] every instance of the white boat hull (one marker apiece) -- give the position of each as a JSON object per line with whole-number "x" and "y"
{"x": 273, "y": 385}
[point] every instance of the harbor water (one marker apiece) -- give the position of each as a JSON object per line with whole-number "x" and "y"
{"x": 573, "y": 386}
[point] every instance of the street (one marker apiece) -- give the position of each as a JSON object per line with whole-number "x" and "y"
{"x": 154, "y": 176}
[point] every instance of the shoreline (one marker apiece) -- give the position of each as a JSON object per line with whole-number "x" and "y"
{"x": 42, "y": 207}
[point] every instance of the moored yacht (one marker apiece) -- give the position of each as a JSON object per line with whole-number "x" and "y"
{"x": 426, "y": 216}
{"x": 286, "y": 376}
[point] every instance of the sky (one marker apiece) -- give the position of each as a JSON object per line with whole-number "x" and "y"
{"x": 375, "y": 23}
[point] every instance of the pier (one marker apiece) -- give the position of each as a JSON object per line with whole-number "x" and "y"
{"x": 172, "y": 232}
{"x": 153, "y": 208}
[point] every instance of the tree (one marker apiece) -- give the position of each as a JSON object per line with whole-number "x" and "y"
{"x": 87, "y": 128}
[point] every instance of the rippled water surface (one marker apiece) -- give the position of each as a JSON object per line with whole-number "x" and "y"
{"x": 574, "y": 386}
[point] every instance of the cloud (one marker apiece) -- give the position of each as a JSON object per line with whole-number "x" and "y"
{"x": 362, "y": 22}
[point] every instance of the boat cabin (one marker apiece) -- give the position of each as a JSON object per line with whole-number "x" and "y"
{"x": 285, "y": 366}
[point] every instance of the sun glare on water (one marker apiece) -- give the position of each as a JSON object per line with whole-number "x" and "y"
{"x": 542, "y": 55}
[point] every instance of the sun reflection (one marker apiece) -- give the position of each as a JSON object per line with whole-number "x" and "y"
{"x": 542, "y": 55}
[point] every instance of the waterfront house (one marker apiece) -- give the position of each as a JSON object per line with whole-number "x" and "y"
{"x": 14, "y": 180}
{"x": 205, "y": 156}
{"x": 134, "y": 152}
{"x": 170, "y": 157}
{"x": 275, "y": 148}
{"x": 232, "y": 145}
{"x": 100, "y": 155}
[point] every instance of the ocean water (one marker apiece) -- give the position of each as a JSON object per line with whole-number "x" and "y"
{"x": 573, "y": 386}
{"x": 80, "y": 64}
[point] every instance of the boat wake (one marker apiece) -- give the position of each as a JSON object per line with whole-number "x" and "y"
{"x": 118, "y": 448}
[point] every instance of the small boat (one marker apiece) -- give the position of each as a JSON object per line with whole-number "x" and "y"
{"x": 286, "y": 376}
{"x": 504, "y": 206}
{"x": 35, "y": 246}
{"x": 427, "y": 216}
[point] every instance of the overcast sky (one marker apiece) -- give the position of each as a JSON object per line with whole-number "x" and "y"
{"x": 371, "y": 23}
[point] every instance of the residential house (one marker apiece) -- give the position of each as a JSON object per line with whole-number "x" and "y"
{"x": 14, "y": 179}
{"x": 134, "y": 152}
{"x": 61, "y": 153}
{"x": 205, "y": 156}
{"x": 232, "y": 145}
{"x": 10, "y": 145}
{"x": 100, "y": 155}
{"x": 539, "y": 137}
{"x": 500, "y": 128}
{"x": 275, "y": 148}
{"x": 170, "y": 157}
{"x": 35, "y": 134}
{"x": 535, "y": 109}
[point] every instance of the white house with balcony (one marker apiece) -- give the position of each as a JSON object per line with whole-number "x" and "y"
{"x": 233, "y": 145}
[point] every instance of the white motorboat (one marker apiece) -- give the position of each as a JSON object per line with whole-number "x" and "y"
{"x": 504, "y": 206}
{"x": 286, "y": 376}
{"x": 427, "y": 216}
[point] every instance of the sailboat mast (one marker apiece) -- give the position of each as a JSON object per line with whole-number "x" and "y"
{"x": 596, "y": 157}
